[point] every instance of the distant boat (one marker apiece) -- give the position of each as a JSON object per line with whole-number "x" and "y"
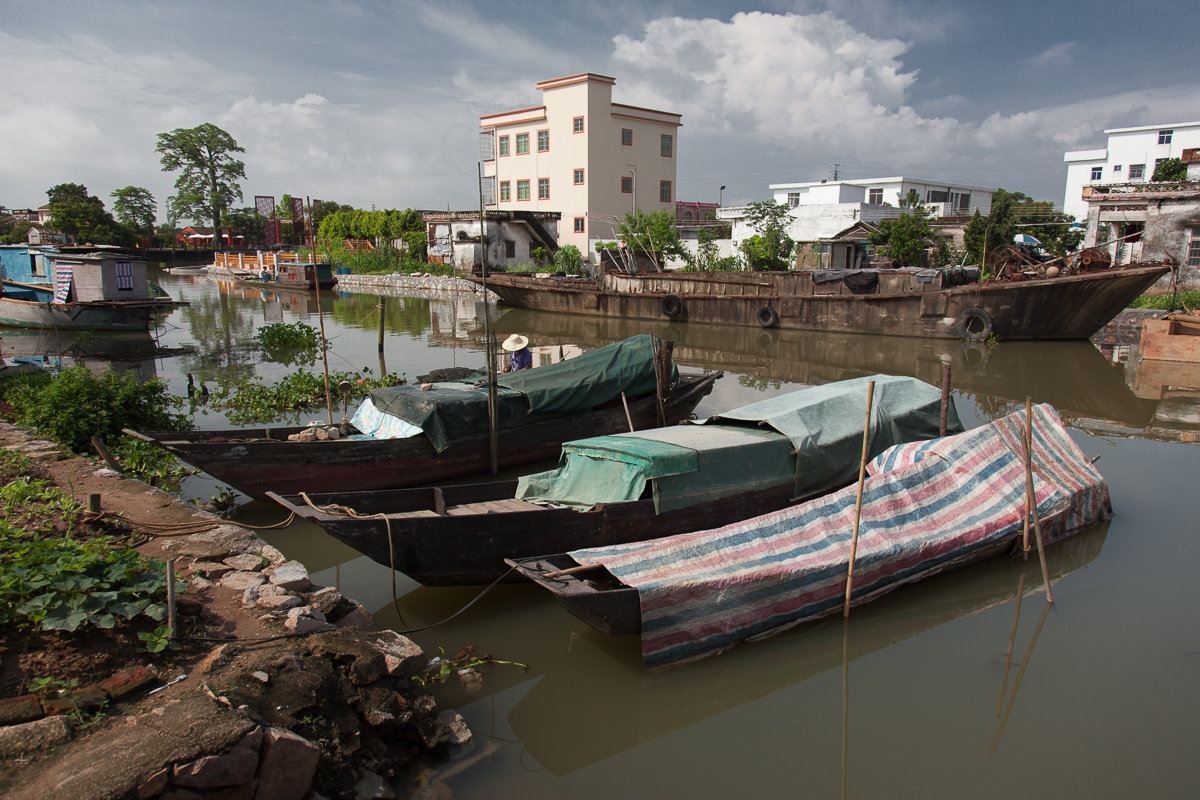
{"x": 446, "y": 427}
{"x": 947, "y": 304}
{"x": 102, "y": 290}
{"x": 631, "y": 486}
{"x": 275, "y": 270}
{"x": 928, "y": 507}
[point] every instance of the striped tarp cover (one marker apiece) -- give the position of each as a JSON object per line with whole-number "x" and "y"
{"x": 702, "y": 592}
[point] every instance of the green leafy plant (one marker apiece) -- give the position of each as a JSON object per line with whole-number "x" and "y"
{"x": 1168, "y": 302}
{"x": 289, "y": 343}
{"x": 258, "y": 402}
{"x": 78, "y": 405}
{"x": 63, "y": 584}
{"x": 26, "y": 501}
{"x": 149, "y": 463}
{"x": 440, "y": 668}
{"x": 51, "y": 686}
{"x": 157, "y": 640}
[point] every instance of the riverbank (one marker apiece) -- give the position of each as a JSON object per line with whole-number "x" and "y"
{"x": 279, "y": 686}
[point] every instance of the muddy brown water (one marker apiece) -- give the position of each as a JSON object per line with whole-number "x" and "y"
{"x": 950, "y": 688}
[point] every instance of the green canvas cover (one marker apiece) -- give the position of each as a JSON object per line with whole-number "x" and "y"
{"x": 450, "y": 410}
{"x": 825, "y": 424}
{"x": 592, "y": 379}
{"x": 684, "y": 465}
{"x": 810, "y": 439}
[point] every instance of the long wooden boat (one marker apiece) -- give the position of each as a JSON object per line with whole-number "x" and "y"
{"x": 902, "y": 302}
{"x": 26, "y": 305}
{"x": 540, "y": 409}
{"x": 273, "y": 270}
{"x": 631, "y": 486}
{"x": 928, "y": 507}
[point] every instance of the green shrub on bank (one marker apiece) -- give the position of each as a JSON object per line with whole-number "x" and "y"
{"x": 77, "y": 405}
{"x": 1168, "y": 302}
{"x": 257, "y": 402}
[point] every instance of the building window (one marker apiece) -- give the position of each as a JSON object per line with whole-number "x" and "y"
{"x": 1116, "y": 169}
{"x": 543, "y": 188}
{"x": 1097, "y": 173}
{"x": 577, "y": 125}
{"x": 543, "y": 141}
{"x": 503, "y": 145}
{"x": 1158, "y": 161}
{"x": 1137, "y": 172}
{"x": 1164, "y": 137}
{"x": 505, "y": 192}
{"x": 793, "y": 199}
{"x": 578, "y": 177}
{"x": 627, "y": 137}
{"x": 1193, "y": 256}
{"x": 875, "y": 197}
{"x": 627, "y": 185}
{"x": 665, "y": 145}
{"x": 522, "y": 143}
{"x": 664, "y": 191}
{"x": 510, "y": 248}
{"x": 579, "y": 224}
{"x": 522, "y": 190}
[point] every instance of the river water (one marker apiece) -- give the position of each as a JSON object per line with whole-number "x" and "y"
{"x": 950, "y": 688}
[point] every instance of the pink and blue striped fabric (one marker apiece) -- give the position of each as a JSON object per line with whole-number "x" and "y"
{"x": 946, "y": 503}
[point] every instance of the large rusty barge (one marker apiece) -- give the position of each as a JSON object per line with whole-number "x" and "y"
{"x": 900, "y": 302}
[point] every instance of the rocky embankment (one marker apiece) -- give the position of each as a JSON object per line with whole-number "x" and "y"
{"x": 283, "y": 689}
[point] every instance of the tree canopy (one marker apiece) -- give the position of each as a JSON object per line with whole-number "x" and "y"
{"x": 770, "y": 248}
{"x": 80, "y": 216}
{"x": 905, "y": 239}
{"x": 1017, "y": 212}
{"x": 135, "y": 207}
{"x": 1172, "y": 169}
{"x": 208, "y": 183}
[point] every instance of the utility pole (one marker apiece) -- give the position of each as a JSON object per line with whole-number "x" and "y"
{"x": 836, "y": 171}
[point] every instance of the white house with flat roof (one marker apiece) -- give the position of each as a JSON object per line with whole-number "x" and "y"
{"x": 822, "y": 209}
{"x": 1130, "y": 157}
{"x": 581, "y": 155}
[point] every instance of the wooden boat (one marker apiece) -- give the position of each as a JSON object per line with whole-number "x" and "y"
{"x": 273, "y": 270}
{"x": 900, "y": 302}
{"x": 631, "y": 486}
{"x": 928, "y": 507}
{"x": 539, "y": 410}
{"x": 24, "y": 305}
{"x": 1175, "y": 337}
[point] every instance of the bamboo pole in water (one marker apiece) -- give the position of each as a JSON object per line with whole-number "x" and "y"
{"x": 1031, "y": 500}
{"x": 945, "y": 407}
{"x": 312, "y": 231}
{"x": 862, "y": 471}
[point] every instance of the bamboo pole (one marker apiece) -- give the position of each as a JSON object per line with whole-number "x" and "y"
{"x": 862, "y": 471}
{"x": 1037, "y": 632}
{"x": 1031, "y": 499}
{"x": 172, "y": 625}
{"x": 628, "y": 418}
{"x": 488, "y": 338}
{"x": 1012, "y": 637}
{"x": 945, "y": 407}
{"x": 320, "y": 317}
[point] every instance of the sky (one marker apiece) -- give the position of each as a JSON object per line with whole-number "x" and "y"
{"x": 377, "y": 104}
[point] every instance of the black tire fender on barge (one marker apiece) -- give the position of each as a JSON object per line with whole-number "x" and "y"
{"x": 767, "y": 317}
{"x": 672, "y": 306}
{"x": 974, "y": 324}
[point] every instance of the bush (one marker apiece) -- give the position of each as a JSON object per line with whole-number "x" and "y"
{"x": 568, "y": 259}
{"x": 78, "y": 405}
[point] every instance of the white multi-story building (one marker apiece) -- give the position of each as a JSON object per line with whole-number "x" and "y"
{"x": 821, "y": 209}
{"x": 1130, "y": 157}
{"x": 582, "y": 155}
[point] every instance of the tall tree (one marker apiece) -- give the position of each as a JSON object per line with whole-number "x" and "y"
{"x": 207, "y": 185}
{"x": 905, "y": 239}
{"x": 770, "y": 248}
{"x": 78, "y": 215}
{"x": 135, "y": 207}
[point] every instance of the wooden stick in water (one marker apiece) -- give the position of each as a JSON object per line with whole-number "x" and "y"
{"x": 1032, "y": 498}
{"x": 628, "y": 418}
{"x": 570, "y": 570}
{"x": 862, "y": 471}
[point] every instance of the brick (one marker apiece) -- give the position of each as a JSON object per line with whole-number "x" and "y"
{"x": 80, "y": 699}
{"x": 15, "y": 710}
{"x": 127, "y": 681}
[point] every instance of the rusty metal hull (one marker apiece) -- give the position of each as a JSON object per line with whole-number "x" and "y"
{"x": 1064, "y": 307}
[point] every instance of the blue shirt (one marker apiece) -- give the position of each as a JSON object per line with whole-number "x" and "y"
{"x": 520, "y": 359}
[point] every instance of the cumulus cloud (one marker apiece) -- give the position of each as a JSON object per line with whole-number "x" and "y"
{"x": 801, "y": 80}
{"x": 1057, "y": 55}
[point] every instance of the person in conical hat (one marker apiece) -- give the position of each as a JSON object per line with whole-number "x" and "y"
{"x": 519, "y": 357}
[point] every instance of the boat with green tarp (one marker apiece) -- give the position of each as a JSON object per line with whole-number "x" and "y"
{"x": 626, "y": 487}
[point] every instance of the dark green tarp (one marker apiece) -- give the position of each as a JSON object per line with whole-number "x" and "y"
{"x": 451, "y": 410}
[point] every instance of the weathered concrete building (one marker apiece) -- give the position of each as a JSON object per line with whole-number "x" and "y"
{"x": 512, "y": 237}
{"x": 1147, "y": 222}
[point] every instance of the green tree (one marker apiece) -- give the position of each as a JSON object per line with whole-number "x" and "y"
{"x": 770, "y": 248}
{"x": 905, "y": 239}
{"x": 207, "y": 185}
{"x": 79, "y": 215}
{"x": 1172, "y": 169}
{"x": 245, "y": 222}
{"x": 1017, "y": 212}
{"x": 323, "y": 208}
{"x": 135, "y": 207}
{"x": 568, "y": 258}
{"x": 653, "y": 233}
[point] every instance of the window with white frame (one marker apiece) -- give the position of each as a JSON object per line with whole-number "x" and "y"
{"x": 577, "y": 125}
{"x": 543, "y": 141}
{"x": 627, "y": 137}
{"x": 666, "y": 145}
{"x": 578, "y": 177}
{"x": 1164, "y": 137}
{"x": 793, "y": 199}
{"x": 1137, "y": 172}
{"x": 875, "y": 197}
{"x": 664, "y": 191}
{"x": 1193, "y": 254}
{"x": 579, "y": 225}
{"x": 522, "y": 190}
{"x": 522, "y": 143}
{"x": 1097, "y": 173}
{"x": 543, "y": 188}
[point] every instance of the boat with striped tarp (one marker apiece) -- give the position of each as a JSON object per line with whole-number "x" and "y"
{"x": 928, "y": 507}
